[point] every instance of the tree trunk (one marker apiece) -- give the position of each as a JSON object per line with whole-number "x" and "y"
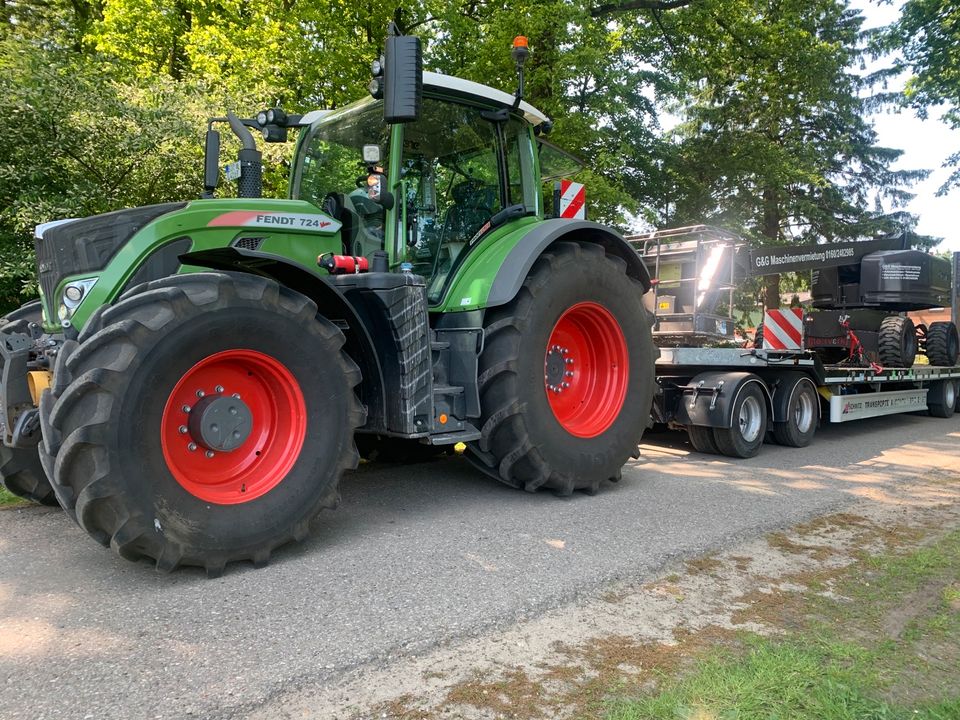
{"x": 771, "y": 232}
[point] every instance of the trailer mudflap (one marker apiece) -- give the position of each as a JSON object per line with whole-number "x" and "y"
{"x": 19, "y": 416}
{"x": 708, "y": 399}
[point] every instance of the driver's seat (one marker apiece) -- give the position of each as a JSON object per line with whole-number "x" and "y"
{"x": 473, "y": 204}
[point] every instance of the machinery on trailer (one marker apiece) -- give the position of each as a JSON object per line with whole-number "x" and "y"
{"x": 850, "y": 357}
{"x": 196, "y": 372}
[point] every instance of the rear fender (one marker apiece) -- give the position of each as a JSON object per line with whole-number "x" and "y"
{"x": 520, "y": 259}
{"x": 708, "y": 399}
{"x": 502, "y": 264}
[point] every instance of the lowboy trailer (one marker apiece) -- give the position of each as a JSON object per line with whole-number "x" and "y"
{"x": 849, "y": 356}
{"x": 730, "y": 400}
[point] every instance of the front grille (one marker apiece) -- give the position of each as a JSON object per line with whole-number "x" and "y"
{"x": 88, "y": 245}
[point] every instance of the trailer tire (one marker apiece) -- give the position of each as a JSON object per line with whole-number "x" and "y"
{"x": 744, "y": 437}
{"x": 20, "y": 469}
{"x": 897, "y": 342}
{"x": 701, "y": 438}
{"x": 801, "y": 411}
{"x": 943, "y": 345}
{"x": 124, "y": 461}
{"x": 942, "y": 398}
{"x": 577, "y": 308}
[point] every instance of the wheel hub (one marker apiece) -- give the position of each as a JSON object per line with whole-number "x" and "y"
{"x": 558, "y": 368}
{"x": 221, "y": 423}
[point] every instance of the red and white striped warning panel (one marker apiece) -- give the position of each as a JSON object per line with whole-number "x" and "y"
{"x": 573, "y": 199}
{"x": 783, "y": 329}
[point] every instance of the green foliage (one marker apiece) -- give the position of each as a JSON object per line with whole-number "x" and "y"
{"x": 772, "y": 139}
{"x": 79, "y": 142}
{"x": 928, "y": 36}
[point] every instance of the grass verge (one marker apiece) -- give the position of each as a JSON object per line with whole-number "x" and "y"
{"x": 884, "y": 643}
{"x": 7, "y": 498}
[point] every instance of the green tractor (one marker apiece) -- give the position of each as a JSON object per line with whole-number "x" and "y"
{"x": 194, "y": 381}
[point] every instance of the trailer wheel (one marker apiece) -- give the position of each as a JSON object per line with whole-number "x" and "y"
{"x": 200, "y": 426}
{"x": 801, "y": 423}
{"x": 745, "y": 436}
{"x": 566, "y": 375}
{"x": 897, "y": 342}
{"x": 701, "y": 438}
{"x": 942, "y": 398}
{"x": 943, "y": 345}
{"x": 20, "y": 468}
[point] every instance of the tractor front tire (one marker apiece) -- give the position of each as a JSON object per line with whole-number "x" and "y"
{"x": 897, "y": 342}
{"x": 943, "y": 345}
{"x": 20, "y": 468}
{"x": 566, "y": 375}
{"x": 208, "y": 418}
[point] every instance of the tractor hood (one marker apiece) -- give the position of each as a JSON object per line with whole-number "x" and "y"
{"x": 73, "y": 247}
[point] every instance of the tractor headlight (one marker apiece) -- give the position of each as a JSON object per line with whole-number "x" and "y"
{"x": 73, "y": 295}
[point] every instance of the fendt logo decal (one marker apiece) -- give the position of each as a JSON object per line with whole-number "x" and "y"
{"x": 292, "y": 221}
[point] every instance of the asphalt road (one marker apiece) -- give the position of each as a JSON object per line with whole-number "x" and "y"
{"x": 414, "y": 556}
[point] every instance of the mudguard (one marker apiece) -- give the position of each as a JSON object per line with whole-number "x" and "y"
{"x": 524, "y": 253}
{"x": 708, "y": 399}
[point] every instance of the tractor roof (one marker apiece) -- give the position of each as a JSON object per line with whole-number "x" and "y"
{"x": 452, "y": 85}
{"x": 465, "y": 89}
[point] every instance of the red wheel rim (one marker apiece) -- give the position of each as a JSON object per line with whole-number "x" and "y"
{"x": 586, "y": 370}
{"x": 277, "y": 427}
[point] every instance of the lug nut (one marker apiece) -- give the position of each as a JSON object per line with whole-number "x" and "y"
{"x": 565, "y": 385}
{"x": 236, "y": 395}
{"x": 218, "y": 389}
{"x": 568, "y": 361}
{"x": 183, "y": 429}
{"x": 568, "y": 373}
{"x": 192, "y": 447}
{"x": 200, "y": 393}
{"x": 185, "y": 408}
{"x": 209, "y": 453}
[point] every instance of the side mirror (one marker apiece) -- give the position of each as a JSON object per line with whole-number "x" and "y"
{"x": 211, "y": 162}
{"x": 402, "y": 79}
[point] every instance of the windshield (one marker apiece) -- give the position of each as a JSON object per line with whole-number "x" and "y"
{"x": 332, "y": 173}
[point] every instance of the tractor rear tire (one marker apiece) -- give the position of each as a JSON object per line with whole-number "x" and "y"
{"x": 566, "y": 375}
{"x": 943, "y": 345}
{"x": 20, "y": 468}
{"x": 137, "y": 455}
{"x": 701, "y": 438}
{"x": 744, "y": 438}
{"x": 897, "y": 342}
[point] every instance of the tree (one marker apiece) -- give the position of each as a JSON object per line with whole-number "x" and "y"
{"x": 928, "y": 38}
{"x": 774, "y": 141}
{"x": 79, "y": 142}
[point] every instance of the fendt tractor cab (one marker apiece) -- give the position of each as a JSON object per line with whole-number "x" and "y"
{"x": 196, "y": 374}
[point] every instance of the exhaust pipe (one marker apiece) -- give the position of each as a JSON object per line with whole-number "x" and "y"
{"x": 250, "y": 182}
